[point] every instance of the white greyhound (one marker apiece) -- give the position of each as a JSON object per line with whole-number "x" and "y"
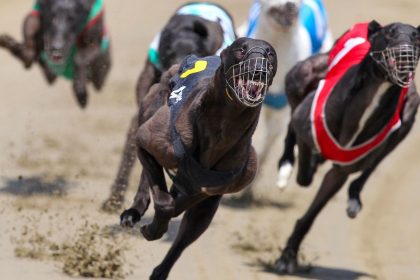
{"x": 296, "y": 29}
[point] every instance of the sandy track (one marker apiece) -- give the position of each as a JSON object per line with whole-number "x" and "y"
{"x": 57, "y": 148}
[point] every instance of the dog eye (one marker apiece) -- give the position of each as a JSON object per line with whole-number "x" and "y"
{"x": 241, "y": 51}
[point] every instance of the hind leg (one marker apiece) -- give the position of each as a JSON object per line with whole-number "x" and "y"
{"x": 287, "y": 160}
{"x": 195, "y": 221}
{"x": 120, "y": 185}
{"x": 307, "y": 164}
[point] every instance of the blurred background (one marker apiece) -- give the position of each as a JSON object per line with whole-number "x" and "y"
{"x": 57, "y": 164}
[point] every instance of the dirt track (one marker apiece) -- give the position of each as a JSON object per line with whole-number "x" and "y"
{"x": 48, "y": 144}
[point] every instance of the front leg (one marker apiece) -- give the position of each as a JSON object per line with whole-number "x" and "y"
{"x": 26, "y": 51}
{"x": 82, "y": 61}
{"x": 131, "y": 216}
{"x": 354, "y": 204}
{"x": 331, "y": 184}
{"x": 153, "y": 177}
{"x": 163, "y": 201}
{"x": 154, "y": 149}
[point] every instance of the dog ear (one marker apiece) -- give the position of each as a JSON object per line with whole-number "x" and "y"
{"x": 87, "y": 4}
{"x": 200, "y": 29}
{"x": 373, "y": 27}
{"x": 223, "y": 56}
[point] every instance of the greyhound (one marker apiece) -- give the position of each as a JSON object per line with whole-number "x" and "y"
{"x": 197, "y": 124}
{"x": 296, "y": 29}
{"x": 364, "y": 105}
{"x": 202, "y": 29}
{"x": 68, "y": 39}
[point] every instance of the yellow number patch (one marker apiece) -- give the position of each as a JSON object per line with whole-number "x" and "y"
{"x": 199, "y": 66}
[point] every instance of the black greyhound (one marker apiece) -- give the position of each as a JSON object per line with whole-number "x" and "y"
{"x": 370, "y": 109}
{"x": 202, "y": 29}
{"x": 66, "y": 38}
{"x": 197, "y": 123}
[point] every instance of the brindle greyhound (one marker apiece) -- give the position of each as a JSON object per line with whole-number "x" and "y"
{"x": 185, "y": 33}
{"x": 66, "y": 38}
{"x": 199, "y": 121}
{"x": 369, "y": 111}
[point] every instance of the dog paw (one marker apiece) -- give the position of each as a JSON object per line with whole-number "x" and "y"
{"x": 82, "y": 98}
{"x": 354, "y": 206}
{"x": 287, "y": 263}
{"x": 159, "y": 273}
{"x": 6, "y": 41}
{"x": 129, "y": 217}
{"x": 283, "y": 176}
{"x": 151, "y": 233}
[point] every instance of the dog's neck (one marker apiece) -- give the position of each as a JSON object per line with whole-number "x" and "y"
{"x": 224, "y": 124}
{"x": 369, "y": 103}
{"x": 291, "y": 45}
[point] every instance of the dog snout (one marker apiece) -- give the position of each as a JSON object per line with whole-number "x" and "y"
{"x": 57, "y": 44}
{"x": 291, "y": 7}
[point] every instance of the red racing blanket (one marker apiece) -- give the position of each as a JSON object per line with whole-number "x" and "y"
{"x": 348, "y": 51}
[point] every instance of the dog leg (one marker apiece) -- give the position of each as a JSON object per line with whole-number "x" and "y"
{"x": 49, "y": 75}
{"x": 83, "y": 61}
{"x": 164, "y": 211}
{"x": 333, "y": 181}
{"x": 130, "y": 217}
{"x": 306, "y": 164}
{"x": 287, "y": 160}
{"x": 26, "y": 52}
{"x": 354, "y": 204}
{"x": 80, "y": 80}
{"x": 119, "y": 188}
{"x": 195, "y": 221}
{"x": 163, "y": 201}
{"x": 99, "y": 68}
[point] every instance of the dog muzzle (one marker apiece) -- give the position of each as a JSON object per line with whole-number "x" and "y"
{"x": 249, "y": 80}
{"x": 399, "y": 63}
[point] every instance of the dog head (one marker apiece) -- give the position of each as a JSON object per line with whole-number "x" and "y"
{"x": 395, "y": 47}
{"x": 281, "y": 14}
{"x": 62, "y": 21}
{"x": 185, "y": 35}
{"x": 249, "y": 67}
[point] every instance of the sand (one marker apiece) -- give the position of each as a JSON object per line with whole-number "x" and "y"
{"x": 58, "y": 163}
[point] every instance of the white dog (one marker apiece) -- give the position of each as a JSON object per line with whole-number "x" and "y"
{"x": 296, "y": 29}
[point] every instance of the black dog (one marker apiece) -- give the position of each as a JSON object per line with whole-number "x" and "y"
{"x": 202, "y": 29}
{"x": 66, "y": 38}
{"x": 197, "y": 124}
{"x": 360, "y": 112}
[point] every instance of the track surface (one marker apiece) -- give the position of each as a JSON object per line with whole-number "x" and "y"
{"x": 48, "y": 141}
